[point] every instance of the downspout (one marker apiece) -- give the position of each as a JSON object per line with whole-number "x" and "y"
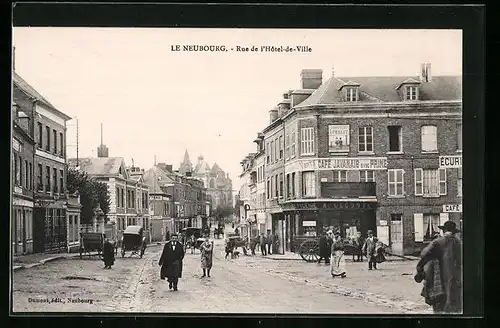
{"x": 284, "y": 192}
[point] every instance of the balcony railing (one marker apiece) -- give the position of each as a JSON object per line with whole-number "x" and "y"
{"x": 348, "y": 189}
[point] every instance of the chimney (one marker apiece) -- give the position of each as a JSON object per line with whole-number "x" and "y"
{"x": 311, "y": 78}
{"x": 273, "y": 115}
{"x": 425, "y": 72}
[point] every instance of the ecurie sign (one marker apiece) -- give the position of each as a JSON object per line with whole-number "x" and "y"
{"x": 450, "y": 161}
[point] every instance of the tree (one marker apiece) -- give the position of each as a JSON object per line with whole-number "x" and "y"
{"x": 92, "y": 194}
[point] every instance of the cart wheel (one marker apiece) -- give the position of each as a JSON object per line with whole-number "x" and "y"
{"x": 309, "y": 251}
{"x": 123, "y": 252}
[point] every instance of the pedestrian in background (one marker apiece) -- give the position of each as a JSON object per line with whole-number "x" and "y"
{"x": 253, "y": 244}
{"x": 337, "y": 266}
{"x": 369, "y": 250}
{"x": 324, "y": 249}
{"x": 229, "y": 248}
{"x": 171, "y": 262}
{"x": 269, "y": 242}
{"x": 358, "y": 246}
{"x": 262, "y": 242}
{"x": 447, "y": 251}
{"x": 206, "y": 248}
{"x": 108, "y": 254}
{"x": 167, "y": 236}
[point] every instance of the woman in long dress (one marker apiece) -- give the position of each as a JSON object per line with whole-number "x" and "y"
{"x": 337, "y": 263}
{"x": 206, "y": 256}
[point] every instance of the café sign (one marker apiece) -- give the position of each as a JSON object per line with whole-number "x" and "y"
{"x": 450, "y": 161}
{"x": 452, "y": 208}
{"x": 338, "y": 163}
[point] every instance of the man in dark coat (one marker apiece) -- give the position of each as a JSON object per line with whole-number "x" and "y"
{"x": 262, "y": 242}
{"x": 447, "y": 250}
{"x": 358, "y": 246}
{"x": 269, "y": 242}
{"x": 108, "y": 254}
{"x": 325, "y": 246}
{"x": 171, "y": 262}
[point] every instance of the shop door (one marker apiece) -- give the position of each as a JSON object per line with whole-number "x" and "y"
{"x": 396, "y": 240}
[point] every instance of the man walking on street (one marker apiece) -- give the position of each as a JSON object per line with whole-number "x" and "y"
{"x": 263, "y": 244}
{"x": 269, "y": 242}
{"x": 171, "y": 262}
{"x": 253, "y": 243}
{"x": 369, "y": 250}
{"x": 447, "y": 275}
{"x": 325, "y": 246}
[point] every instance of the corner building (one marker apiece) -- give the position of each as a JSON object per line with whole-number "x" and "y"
{"x": 366, "y": 153}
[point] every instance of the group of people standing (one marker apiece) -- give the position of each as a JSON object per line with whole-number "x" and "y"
{"x": 332, "y": 247}
{"x": 172, "y": 256}
{"x": 268, "y": 244}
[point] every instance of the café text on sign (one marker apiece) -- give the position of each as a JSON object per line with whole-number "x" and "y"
{"x": 450, "y": 161}
{"x": 452, "y": 208}
{"x": 346, "y": 163}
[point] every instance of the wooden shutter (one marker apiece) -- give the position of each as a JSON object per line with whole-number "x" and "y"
{"x": 442, "y": 181}
{"x": 418, "y": 223}
{"x": 420, "y": 181}
{"x": 383, "y": 234}
{"x": 443, "y": 217}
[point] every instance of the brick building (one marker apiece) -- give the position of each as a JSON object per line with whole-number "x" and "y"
{"x": 366, "y": 153}
{"x": 47, "y": 126}
{"x": 23, "y": 152}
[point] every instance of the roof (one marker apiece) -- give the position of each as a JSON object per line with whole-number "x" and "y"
{"x": 133, "y": 230}
{"x": 376, "y": 89}
{"x": 216, "y": 168}
{"x": 155, "y": 178}
{"x": 28, "y": 89}
{"x": 202, "y": 166}
{"x": 99, "y": 165}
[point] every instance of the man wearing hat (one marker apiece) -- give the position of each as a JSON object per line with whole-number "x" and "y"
{"x": 171, "y": 262}
{"x": 447, "y": 250}
{"x": 369, "y": 250}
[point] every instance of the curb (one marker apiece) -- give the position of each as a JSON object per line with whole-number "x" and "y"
{"x": 43, "y": 261}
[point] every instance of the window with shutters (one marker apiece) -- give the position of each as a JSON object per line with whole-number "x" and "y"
{"x": 366, "y": 176}
{"x": 308, "y": 184}
{"x": 281, "y": 146}
{"x": 54, "y": 181}
{"x": 307, "y": 141}
{"x": 429, "y": 138}
{"x": 276, "y": 186}
{"x": 40, "y": 135}
{"x": 61, "y": 144}
{"x": 287, "y": 147}
{"x": 430, "y": 182}
{"x": 31, "y": 176}
{"x": 268, "y": 189}
{"x": 395, "y": 182}
{"x": 340, "y": 176}
{"x": 281, "y": 185}
{"x": 459, "y": 182}
{"x": 351, "y": 94}
{"x": 54, "y": 135}
{"x": 268, "y": 154}
{"x": 365, "y": 139}
{"x": 431, "y": 223}
{"x": 61, "y": 181}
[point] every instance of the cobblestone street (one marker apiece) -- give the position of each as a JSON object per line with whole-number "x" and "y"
{"x": 242, "y": 285}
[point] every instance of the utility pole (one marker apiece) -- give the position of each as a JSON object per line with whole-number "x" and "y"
{"x": 77, "y": 158}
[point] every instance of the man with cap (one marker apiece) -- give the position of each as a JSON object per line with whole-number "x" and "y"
{"x": 369, "y": 250}
{"x": 171, "y": 262}
{"x": 447, "y": 249}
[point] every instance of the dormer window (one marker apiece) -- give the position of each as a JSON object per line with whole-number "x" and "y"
{"x": 351, "y": 94}
{"x": 411, "y": 92}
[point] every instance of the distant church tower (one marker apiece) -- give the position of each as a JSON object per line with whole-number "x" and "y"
{"x": 186, "y": 165}
{"x": 102, "y": 150}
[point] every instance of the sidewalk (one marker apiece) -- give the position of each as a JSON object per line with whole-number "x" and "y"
{"x": 33, "y": 260}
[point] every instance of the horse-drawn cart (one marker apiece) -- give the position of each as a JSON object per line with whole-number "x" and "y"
{"x": 308, "y": 248}
{"x": 133, "y": 241}
{"x": 91, "y": 242}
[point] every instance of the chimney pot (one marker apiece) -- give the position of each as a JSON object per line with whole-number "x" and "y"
{"x": 311, "y": 78}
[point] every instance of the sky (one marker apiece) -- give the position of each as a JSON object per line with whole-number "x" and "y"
{"x": 155, "y": 102}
